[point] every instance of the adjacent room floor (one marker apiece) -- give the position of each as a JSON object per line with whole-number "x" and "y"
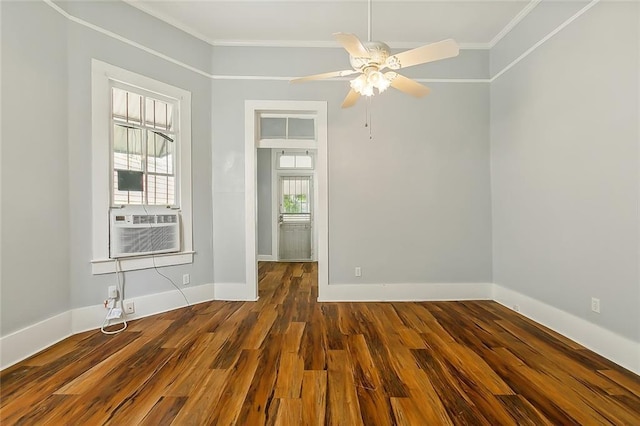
{"x": 288, "y": 359}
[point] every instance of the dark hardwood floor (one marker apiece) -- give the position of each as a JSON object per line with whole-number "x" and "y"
{"x": 287, "y": 359}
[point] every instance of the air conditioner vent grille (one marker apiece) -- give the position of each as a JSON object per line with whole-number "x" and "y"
{"x": 137, "y": 235}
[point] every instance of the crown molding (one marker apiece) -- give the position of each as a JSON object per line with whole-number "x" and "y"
{"x": 512, "y": 24}
{"x": 329, "y": 44}
{"x": 545, "y": 39}
{"x": 283, "y": 43}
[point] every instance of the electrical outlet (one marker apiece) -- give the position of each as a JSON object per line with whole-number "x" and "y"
{"x": 186, "y": 279}
{"x": 358, "y": 271}
{"x": 113, "y": 292}
{"x": 595, "y": 305}
{"x": 129, "y": 307}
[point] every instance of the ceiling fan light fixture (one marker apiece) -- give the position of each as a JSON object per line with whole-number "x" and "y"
{"x": 365, "y": 83}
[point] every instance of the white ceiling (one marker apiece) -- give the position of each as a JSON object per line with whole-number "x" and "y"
{"x": 472, "y": 23}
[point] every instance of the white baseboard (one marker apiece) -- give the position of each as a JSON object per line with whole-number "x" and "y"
{"x": 403, "y": 292}
{"x": 28, "y": 341}
{"x": 266, "y": 258}
{"x": 235, "y": 292}
{"x": 23, "y": 343}
{"x": 32, "y": 339}
{"x": 617, "y": 348}
{"x": 91, "y": 317}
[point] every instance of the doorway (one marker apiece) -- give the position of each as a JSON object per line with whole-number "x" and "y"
{"x": 295, "y": 218}
{"x": 255, "y": 112}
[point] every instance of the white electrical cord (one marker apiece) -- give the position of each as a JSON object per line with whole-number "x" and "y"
{"x": 105, "y": 323}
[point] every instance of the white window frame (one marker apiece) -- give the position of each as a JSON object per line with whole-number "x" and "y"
{"x": 287, "y": 143}
{"x": 289, "y": 152}
{"x": 157, "y": 208}
{"x": 102, "y": 77}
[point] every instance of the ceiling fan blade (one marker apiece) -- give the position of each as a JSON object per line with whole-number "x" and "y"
{"x": 351, "y": 99}
{"x": 407, "y": 85}
{"x": 324, "y": 76}
{"x": 420, "y": 55}
{"x": 352, "y": 44}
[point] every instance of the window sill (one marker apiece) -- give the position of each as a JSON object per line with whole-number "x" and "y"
{"x": 108, "y": 266}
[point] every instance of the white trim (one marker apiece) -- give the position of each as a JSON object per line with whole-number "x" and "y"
{"x": 286, "y": 144}
{"x": 515, "y": 21}
{"x": 101, "y": 76}
{"x": 319, "y": 109}
{"x": 275, "y": 206}
{"x": 617, "y": 348}
{"x": 107, "y": 266}
{"x": 273, "y": 43}
{"x": 266, "y": 258}
{"x": 30, "y": 340}
{"x": 545, "y": 38}
{"x": 231, "y": 43}
{"x": 405, "y": 292}
{"x": 91, "y": 317}
{"x": 329, "y": 44}
{"x": 124, "y": 39}
{"x": 283, "y": 78}
{"x": 235, "y": 292}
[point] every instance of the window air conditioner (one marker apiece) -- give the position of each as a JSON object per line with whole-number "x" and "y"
{"x": 143, "y": 234}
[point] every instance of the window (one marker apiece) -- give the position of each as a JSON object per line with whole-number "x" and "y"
{"x": 143, "y": 143}
{"x": 294, "y": 160}
{"x": 141, "y": 159}
{"x": 287, "y": 127}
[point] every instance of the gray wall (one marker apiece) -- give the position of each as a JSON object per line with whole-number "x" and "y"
{"x": 412, "y": 205}
{"x": 85, "y": 44}
{"x": 35, "y": 180}
{"x": 263, "y": 178}
{"x": 564, "y": 134}
{"x": 46, "y": 163}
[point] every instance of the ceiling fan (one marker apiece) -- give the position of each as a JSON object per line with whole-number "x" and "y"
{"x": 372, "y": 58}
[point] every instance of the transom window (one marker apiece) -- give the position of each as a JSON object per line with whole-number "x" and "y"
{"x": 143, "y": 142}
{"x": 294, "y": 160}
{"x": 287, "y": 127}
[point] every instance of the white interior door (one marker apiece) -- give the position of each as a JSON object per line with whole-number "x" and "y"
{"x": 295, "y": 220}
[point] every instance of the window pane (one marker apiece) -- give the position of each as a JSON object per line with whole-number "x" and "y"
{"x": 160, "y": 148}
{"x": 273, "y": 128}
{"x": 295, "y": 195}
{"x": 304, "y": 162}
{"x": 119, "y": 104}
{"x": 287, "y": 162}
{"x": 161, "y": 190}
{"x": 159, "y": 114}
{"x": 127, "y": 148}
{"x": 302, "y": 128}
{"x": 134, "y": 108}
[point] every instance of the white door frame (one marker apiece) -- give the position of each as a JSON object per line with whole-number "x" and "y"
{"x": 275, "y": 200}
{"x": 252, "y": 109}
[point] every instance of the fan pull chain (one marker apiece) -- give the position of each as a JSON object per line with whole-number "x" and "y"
{"x": 367, "y": 117}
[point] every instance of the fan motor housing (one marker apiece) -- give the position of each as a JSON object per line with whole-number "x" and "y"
{"x": 379, "y": 53}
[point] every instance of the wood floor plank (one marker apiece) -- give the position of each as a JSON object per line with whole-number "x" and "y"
{"x": 314, "y": 397}
{"x": 289, "y": 359}
{"x": 235, "y": 390}
{"x": 164, "y": 411}
{"x": 289, "y": 412}
{"x": 343, "y": 400}
{"x": 255, "y": 409}
{"x": 374, "y": 404}
{"x": 203, "y": 399}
